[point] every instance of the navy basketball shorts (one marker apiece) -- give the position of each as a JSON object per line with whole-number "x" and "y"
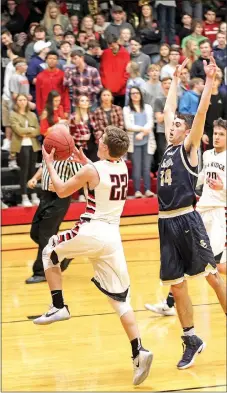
{"x": 185, "y": 248}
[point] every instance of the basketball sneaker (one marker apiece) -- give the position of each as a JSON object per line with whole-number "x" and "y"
{"x": 141, "y": 366}
{"x": 161, "y": 308}
{"x": 192, "y": 346}
{"x": 53, "y": 315}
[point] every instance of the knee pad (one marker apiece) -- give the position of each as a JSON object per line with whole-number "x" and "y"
{"x": 49, "y": 255}
{"x": 121, "y": 308}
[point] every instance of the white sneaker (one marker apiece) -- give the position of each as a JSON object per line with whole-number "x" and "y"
{"x": 161, "y": 308}
{"x": 138, "y": 194}
{"x": 6, "y": 144}
{"x": 53, "y": 315}
{"x": 13, "y": 164}
{"x": 35, "y": 200}
{"x": 4, "y": 206}
{"x": 149, "y": 194}
{"x": 82, "y": 198}
{"x": 141, "y": 366}
{"x": 25, "y": 201}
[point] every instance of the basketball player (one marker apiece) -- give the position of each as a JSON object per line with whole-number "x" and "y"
{"x": 211, "y": 206}
{"x": 97, "y": 236}
{"x": 184, "y": 243}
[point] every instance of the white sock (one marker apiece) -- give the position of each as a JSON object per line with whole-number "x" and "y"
{"x": 190, "y": 332}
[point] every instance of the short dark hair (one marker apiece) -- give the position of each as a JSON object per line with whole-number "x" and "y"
{"x": 93, "y": 44}
{"x": 39, "y": 29}
{"x": 137, "y": 39}
{"x": 188, "y": 119}
{"x": 205, "y": 41}
{"x": 77, "y": 52}
{"x": 57, "y": 24}
{"x": 117, "y": 141}
{"x": 172, "y": 49}
{"x": 65, "y": 42}
{"x": 220, "y": 123}
{"x": 69, "y": 33}
{"x": 111, "y": 39}
{"x": 15, "y": 49}
{"x": 52, "y": 53}
{"x": 166, "y": 78}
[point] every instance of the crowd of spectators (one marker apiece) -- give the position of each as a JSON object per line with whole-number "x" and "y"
{"x": 91, "y": 63}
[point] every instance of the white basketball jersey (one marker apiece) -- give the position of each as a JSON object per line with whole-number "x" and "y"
{"x": 213, "y": 164}
{"x": 106, "y": 201}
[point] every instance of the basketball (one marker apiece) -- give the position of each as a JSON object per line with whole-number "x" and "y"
{"x": 61, "y": 141}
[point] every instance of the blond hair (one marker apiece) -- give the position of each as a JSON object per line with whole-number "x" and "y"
{"x": 47, "y": 19}
{"x": 134, "y": 69}
{"x": 187, "y": 52}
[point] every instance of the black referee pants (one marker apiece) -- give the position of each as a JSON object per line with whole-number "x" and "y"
{"x": 46, "y": 222}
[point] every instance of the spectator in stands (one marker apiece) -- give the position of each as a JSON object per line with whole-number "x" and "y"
{"x": 169, "y": 69}
{"x": 193, "y": 8}
{"x": 197, "y": 70}
{"x": 222, "y": 29}
{"x": 87, "y": 26}
{"x": 190, "y": 52}
{"x": 220, "y": 51}
{"x": 19, "y": 83}
{"x": 139, "y": 121}
{"x": 14, "y": 52}
{"x": 153, "y": 86}
{"x": 139, "y": 57}
{"x": 74, "y": 22}
{"x": 159, "y": 115}
{"x": 134, "y": 80}
{"x": 82, "y": 40}
{"x": 113, "y": 72}
{"x": 106, "y": 114}
{"x": 25, "y": 129}
{"x": 100, "y": 24}
{"x": 51, "y": 79}
{"x": 186, "y": 29}
{"x": 118, "y": 24}
{"x": 37, "y": 64}
{"x": 52, "y": 114}
{"x": 71, "y": 38}
{"x": 184, "y": 82}
{"x": 78, "y": 6}
{"x": 189, "y": 101}
{"x": 31, "y": 32}
{"x": 125, "y": 38}
{"x": 58, "y": 35}
{"x": 150, "y": 36}
{"x": 210, "y": 26}
{"x": 52, "y": 17}
{"x": 39, "y": 35}
{"x": 164, "y": 55}
{"x": 217, "y": 108}
{"x": 7, "y": 40}
{"x": 197, "y": 30}
{"x": 15, "y": 21}
{"x": 81, "y": 128}
{"x": 83, "y": 80}
{"x": 166, "y": 10}
{"x": 93, "y": 55}
{"x": 65, "y": 55}
{"x": 223, "y": 86}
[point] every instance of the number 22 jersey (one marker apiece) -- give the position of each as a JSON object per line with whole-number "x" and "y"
{"x": 176, "y": 180}
{"x": 106, "y": 201}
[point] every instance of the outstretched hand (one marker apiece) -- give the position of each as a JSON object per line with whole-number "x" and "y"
{"x": 179, "y": 68}
{"x": 49, "y": 158}
{"x": 211, "y": 68}
{"x": 79, "y": 156}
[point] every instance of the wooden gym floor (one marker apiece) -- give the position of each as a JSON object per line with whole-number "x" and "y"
{"x": 90, "y": 352}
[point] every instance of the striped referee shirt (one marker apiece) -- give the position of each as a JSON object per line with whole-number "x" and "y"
{"x": 64, "y": 169}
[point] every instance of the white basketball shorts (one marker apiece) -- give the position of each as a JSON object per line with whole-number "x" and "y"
{"x": 101, "y": 243}
{"x": 215, "y": 224}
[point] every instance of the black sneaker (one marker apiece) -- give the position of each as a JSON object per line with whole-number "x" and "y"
{"x": 192, "y": 346}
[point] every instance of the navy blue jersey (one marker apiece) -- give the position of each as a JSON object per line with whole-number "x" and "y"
{"x": 176, "y": 179}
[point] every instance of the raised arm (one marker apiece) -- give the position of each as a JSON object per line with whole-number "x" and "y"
{"x": 196, "y": 133}
{"x": 171, "y": 102}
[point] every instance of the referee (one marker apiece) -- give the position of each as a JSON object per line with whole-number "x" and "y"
{"x": 50, "y": 213}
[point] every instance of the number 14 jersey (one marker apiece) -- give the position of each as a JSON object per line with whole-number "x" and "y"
{"x": 176, "y": 179}
{"x": 106, "y": 201}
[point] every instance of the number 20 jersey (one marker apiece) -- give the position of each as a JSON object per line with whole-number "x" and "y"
{"x": 213, "y": 164}
{"x": 176, "y": 180}
{"x": 106, "y": 201}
